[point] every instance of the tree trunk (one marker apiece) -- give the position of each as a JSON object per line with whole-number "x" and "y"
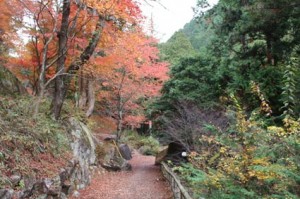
{"x": 38, "y": 102}
{"x": 83, "y": 90}
{"x": 119, "y": 127}
{"x": 42, "y": 77}
{"x": 60, "y": 87}
{"x": 120, "y": 106}
{"x": 41, "y": 82}
{"x": 63, "y": 83}
{"x": 86, "y": 93}
{"x": 91, "y": 98}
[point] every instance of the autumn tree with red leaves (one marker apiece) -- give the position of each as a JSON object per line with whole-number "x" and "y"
{"x": 95, "y": 42}
{"x": 133, "y": 76}
{"x": 59, "y": 29}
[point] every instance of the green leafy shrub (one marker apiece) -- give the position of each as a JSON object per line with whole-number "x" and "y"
{"x": 148, "y": 144}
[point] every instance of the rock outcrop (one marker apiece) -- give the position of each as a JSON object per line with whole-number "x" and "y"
{"x": 75, "y": 176}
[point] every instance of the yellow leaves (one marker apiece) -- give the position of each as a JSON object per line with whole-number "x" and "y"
{"x": 251, "y": 173}
{"x": 291, "y": 126}
{"x": 242, "y": 125}
{"x": 223, "y": 99}
{"x": 223, "y": 150}
{"x": 213, "y": 159}
{"x": 196, "y": 159}
{"x": 242, "y": 177}
{"x": 261, "y": 161}
{"x": 230, "y": 165}
{"x": 242, "y": 167}
{"x": 291, "y": 164}
{"x": 215, "y": 179}
{"x": 264, "y": 106}
{"x": 245, "y": 157}
{"x": 279, "y": 131}
{"x": 262, "y": 175}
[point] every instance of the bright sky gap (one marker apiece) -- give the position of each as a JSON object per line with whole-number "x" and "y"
{"x": 170, "y": 15}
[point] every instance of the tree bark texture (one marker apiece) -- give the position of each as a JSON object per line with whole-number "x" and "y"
{"x": 91, "y": 98}
{"x": 60, "y": 86}
{"x": 83, "y": 88}
{"x": 86, "y": 92}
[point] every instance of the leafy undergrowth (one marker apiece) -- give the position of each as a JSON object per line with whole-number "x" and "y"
{"x": 30, "y": 146}
{"x": 147, "y": 145}
{"x": 252, "y": 159}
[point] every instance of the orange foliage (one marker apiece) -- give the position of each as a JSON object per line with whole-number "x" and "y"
{"x": 125, "y": 61}
{"x": 130, "y": 73}
{"x": 45, "y": 23}
{"x": 8, "y": 25}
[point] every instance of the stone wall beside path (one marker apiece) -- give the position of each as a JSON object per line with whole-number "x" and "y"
{"x": 76, "y": 176}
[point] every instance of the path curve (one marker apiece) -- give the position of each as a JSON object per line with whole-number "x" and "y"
{"x": 145, "y": 181}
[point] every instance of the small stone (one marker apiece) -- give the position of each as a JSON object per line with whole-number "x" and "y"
{"x": 18, "y": 194}
{"x": 54, "y": 186}
{"x": 110, "y": 138}
{"x": 63, "y": 196}
{"x": 25, "y": 194}
{"x": 40, "y": 188}
{"x": 29, "y": 182}
{"x": 48, "y": 182}
{"x": 81, "y": 186}
{"x": 15, "y": 179}
{"x": 76, "y": 194}
{"x": 43, "y": 196}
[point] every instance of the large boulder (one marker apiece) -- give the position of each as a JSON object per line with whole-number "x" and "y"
{"x": 110, "y": 157}
{"x": 161, "y": 155}
{"x": 125, "y": 151}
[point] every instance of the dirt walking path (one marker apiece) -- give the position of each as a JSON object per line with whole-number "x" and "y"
{"x": 145, "y": 181}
